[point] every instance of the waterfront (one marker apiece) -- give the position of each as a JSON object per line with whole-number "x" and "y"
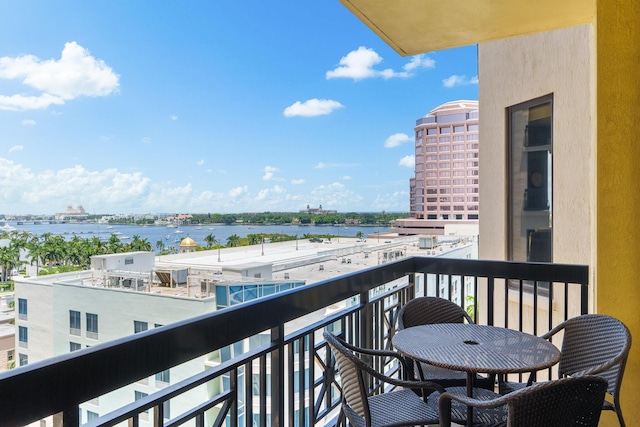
{"x": 171, "y": 236}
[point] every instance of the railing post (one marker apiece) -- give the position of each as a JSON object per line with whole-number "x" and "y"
{"x": 277, "y": 376}
{"x": 366, "y": 319}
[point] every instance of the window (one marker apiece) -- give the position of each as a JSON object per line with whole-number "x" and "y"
{"x": 92, "y": 326}
{"x": 139, "y": 326}
{"x": 92, "y": 415}
{"x": 74, "y": 346}
{"x": 23, "y": 337}
{"x": 128, "y": 261}
{"x": 140, "y": 395}
{"x": 166, "y": 410}
{"x": 163, "y": 377}
{"x": 10, "y": 355}
{"x": 22, "y": 309}
{"x": 530, "y": 180}
{"x": 74, "y": 322}
{"x": 24, "y": 359}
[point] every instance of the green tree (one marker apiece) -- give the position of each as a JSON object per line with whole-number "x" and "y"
{"x": 233, "y": 240}
{"x": 9, "y": 258}
{"x": 210, "y": 240}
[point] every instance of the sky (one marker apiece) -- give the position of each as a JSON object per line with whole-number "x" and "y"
{"x": 210, "y": 107}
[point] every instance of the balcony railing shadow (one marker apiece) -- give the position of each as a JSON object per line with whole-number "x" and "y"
{"x": 264, "y": 362}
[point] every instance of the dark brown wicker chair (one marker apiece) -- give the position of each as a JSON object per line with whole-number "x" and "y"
{"x": 430, "y": 310}
{"x": 592, "y": 344}
{"x": 400, "y": 407}
{"x": 575, "y": 401}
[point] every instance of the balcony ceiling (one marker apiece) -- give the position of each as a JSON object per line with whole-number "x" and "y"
{"x": 418, "y": 26}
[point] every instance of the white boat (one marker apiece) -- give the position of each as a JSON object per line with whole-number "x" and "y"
{"x": 178, "y": 231}
{"x": 171, "y": 226}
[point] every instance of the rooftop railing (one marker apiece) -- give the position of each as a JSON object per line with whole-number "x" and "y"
{"x": 286, "y": 378}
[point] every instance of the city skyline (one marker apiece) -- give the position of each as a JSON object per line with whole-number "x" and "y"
{"x": 200, "y": 107}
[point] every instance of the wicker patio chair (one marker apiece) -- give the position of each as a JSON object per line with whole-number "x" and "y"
{"x": 430, "y": 310}
{"x": 592, "y": 344}
{"x": 575, "y": 401}
{"x": 400, "y": 407}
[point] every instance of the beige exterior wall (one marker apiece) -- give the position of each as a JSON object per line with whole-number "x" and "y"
{"x": 520, "y": 69}
{"x": 515, "y": 70}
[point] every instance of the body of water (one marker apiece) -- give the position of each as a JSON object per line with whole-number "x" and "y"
{"x": 172, "y": 236}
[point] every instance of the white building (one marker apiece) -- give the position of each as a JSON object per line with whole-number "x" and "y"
{"x": 128, "y": 293}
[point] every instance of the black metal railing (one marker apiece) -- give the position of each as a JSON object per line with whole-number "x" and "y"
{"x": 286, "y": 377}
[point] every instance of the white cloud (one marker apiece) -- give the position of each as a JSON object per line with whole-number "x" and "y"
{"x": 336, "y": 195}
{"x": 396, "y": 139}
{"x": 312, "y": 107}
{"x": 408, "y": 161}
{"x": 297, "y": 181}
{"x": 75, "y": 74}
{"x": 200, "y": 162}
{"x": 21, "y": 102}
{"x": 346, "y": 178}
{"x": 265, "y": 193}
{"x": 455, "y": 80}
{"x": 238, "y": 191}
{"x": 19, "y": 185}
{"x": 16, "y": 148}
{"x": 320, "y": 165}
{"x": 268, "y": 173}
{"x": 173, "y": 117}
{"x": 397, "y": 201}
{"x": 146, "y": 140}
{"x": 29, "y": 122}
{"x": 359, "y": 64}
{"x": 419, "y": 61}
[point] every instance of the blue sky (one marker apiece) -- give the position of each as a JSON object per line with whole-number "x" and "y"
{"x": 198, "y": 106}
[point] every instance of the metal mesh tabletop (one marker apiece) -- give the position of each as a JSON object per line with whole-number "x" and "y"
{"x": 476, "y": 348}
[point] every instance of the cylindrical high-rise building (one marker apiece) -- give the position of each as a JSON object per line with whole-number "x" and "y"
{"x": 446, "y": 183}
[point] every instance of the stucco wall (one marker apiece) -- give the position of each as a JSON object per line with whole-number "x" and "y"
{"x": 516, "y": 70}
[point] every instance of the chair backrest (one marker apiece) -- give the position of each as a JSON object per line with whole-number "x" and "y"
{"x": 591, "y": 340}
{"x": 353, "y": 386}
{"x": 429, "y": 310}
{"x": 575, "y": 401}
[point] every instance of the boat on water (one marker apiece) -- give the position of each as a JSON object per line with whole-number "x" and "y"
{"x": 123, "y": 237}
{"x": 171, "y": 226}
{"x": 7, "y": 227}
{"x": 178, "y": 231}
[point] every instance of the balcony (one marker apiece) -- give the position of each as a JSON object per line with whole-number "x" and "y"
{"x": 286, "y": 378}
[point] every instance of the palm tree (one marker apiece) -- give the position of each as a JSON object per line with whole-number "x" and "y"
{"x": 233, "y": 240}
{"x": 210, "y": 239}
{"x": 138, "y": 244}
{"x": 9, "y": 258}
{"x": 160, "y": 245}
{"x": 52, "y": 249}
{"x": 114, "y": 245}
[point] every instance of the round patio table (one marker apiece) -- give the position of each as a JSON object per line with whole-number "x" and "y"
{"x": 476, "y": 349}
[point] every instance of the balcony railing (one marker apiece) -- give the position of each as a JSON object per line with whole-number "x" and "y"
{"x": 286, "y": 379}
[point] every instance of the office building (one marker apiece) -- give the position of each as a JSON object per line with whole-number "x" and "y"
{"x": 446, "y": 184}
